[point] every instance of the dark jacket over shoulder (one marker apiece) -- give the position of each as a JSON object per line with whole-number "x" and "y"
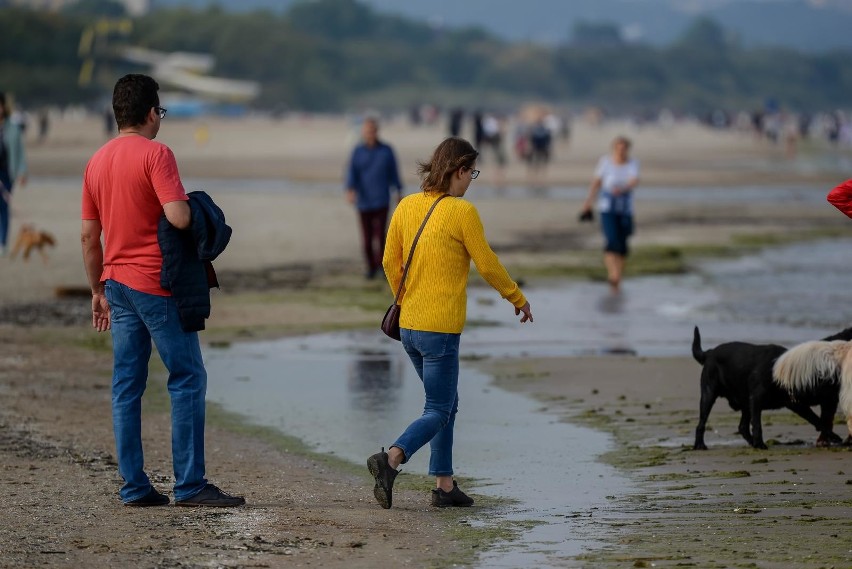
{"x": 187, "y": 255}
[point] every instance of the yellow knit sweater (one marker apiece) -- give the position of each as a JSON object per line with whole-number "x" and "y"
{"x": 434, "y": 298}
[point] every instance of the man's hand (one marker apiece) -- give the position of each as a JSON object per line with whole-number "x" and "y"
{"x": 351, "y": 196}
{"x": 527, "y": 312}
{"x": 100, "y": 312}
{"x": 22, "y": 180}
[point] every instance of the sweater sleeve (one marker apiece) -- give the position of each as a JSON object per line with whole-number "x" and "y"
{"x": 392, "y": 259}
{"x": 486, "y": 261}
{"x": 841, "y": 197}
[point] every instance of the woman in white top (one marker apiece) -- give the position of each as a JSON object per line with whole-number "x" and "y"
{"x": 616, "y": 176}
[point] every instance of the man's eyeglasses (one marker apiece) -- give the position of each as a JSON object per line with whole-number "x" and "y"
{"x": 161, "y": 111}
{"x": 474, "y": 174}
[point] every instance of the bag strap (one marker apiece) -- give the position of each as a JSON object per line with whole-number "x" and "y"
{"x": 413, "y": 245}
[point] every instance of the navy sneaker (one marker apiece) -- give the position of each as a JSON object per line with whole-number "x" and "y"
{"x": 152, "y": 498}
{"x": 384, "y": 475}
{"x": 454, "y": 497}
{"x": 212, "y": 496}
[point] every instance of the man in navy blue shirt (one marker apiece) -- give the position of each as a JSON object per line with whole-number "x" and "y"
{"x": 371, "y": 175}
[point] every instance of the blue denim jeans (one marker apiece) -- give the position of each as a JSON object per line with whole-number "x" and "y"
{"x": 137, "y": 319}
{"x": 436, "y": 358}
{"x": 617, "y": 227}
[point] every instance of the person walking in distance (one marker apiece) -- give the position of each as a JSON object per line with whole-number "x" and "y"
{"x": 616, "y": 177}
{"x": 128, "y": 185}
{"x": 434, "y": 308}
{"x": 13, "y": 167}
{"x": 371, "y": 176}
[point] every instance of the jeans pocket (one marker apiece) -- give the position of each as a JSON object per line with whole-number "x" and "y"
{"x": 152, "y": 309}
{"x": 438, "y": 344}
{"x": 111, "y": 291}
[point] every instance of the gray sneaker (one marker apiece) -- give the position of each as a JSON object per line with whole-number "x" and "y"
{"x": 384, "y": 475}
{"x": 212, "y": 496}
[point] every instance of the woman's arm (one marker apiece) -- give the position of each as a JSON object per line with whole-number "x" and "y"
{"x": 486, "y": 261}
{"x": 628, "y": 187}
{"x": 593, "y": 193}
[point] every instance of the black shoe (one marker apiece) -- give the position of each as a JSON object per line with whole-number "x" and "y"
{"x": 454, "y": 497}
{"x": 384, "y": 475}
{"x": 152, "y": 498}
{"x": 213, "y": 497}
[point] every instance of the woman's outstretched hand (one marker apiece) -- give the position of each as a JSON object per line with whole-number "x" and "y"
{"x": 527, "y": 312}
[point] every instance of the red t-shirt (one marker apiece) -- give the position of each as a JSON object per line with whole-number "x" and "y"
{"x": 125, "y": 186}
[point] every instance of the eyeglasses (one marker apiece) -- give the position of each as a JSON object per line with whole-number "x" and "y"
{"x": 161, "y": 111}
{"x": 474, "y": 174}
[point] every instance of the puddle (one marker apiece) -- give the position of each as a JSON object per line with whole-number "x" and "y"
{"x": 323, "y": 391}
{"x": 349, "y": 393}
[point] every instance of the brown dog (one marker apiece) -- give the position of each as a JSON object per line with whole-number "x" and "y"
{"x": 28, "y": 239}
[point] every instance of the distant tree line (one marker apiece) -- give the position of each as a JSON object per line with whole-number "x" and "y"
{"x": 339, "y": 54}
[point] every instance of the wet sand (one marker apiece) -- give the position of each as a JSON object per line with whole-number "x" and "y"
{"x": 729, "y": 506}
{"x": 293, "y": 268}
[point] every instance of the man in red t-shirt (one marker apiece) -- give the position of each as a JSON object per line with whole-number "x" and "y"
{"x": 127, "y": 186}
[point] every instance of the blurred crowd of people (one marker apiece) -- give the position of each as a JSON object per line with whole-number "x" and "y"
{"x": 527, "y": 133}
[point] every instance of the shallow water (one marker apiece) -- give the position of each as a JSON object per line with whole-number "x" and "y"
{"x": 783, "y": 295}
{"x": 704, "y": 194}
{"x": 348, "y": 393}
{"x": 340, "y": 401}
{"x": 691, "y": 194}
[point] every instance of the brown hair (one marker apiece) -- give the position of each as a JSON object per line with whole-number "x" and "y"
{"x": 453, "y": 153}
{"x": 622, "y": 140}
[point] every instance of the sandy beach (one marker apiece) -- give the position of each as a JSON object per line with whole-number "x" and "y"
{"x": 293, "y": 268}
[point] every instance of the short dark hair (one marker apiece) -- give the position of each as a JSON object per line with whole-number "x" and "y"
{"x": 133, "y": 97}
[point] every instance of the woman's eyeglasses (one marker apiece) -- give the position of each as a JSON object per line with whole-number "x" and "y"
{"x": 161, "y": 111}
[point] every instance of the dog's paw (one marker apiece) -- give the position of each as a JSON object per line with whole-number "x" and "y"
{"x": 760, "y": 445}
{"x": 699, "y": 446}
{"x": 848, "y": 441}
{"x": 835, "y": 439}
{"x": 826, "y": 440}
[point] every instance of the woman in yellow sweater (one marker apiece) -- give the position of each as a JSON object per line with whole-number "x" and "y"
{"x": 434, "y": 304}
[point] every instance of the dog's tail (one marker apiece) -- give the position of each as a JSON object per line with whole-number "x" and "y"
{"x": 845, "y": 335}
{"x": 807, "y": 365}
{"x": 697, "y": 353}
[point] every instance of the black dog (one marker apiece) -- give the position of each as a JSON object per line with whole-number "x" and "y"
{"x": 742, "y": 374}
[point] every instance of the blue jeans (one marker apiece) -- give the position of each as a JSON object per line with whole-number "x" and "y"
{"x": 436, "y": 358}
{"x": 137, "y": 318}
{"x": 617, "y": 227}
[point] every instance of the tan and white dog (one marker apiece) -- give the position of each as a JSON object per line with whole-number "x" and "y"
{"x": 818, "y": 367}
